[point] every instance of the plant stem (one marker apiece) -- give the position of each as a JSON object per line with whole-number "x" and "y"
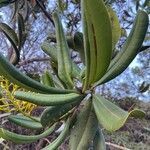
{"x": 116, "y": 146}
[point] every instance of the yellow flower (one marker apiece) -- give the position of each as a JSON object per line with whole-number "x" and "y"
{"x": 7, "y": 101}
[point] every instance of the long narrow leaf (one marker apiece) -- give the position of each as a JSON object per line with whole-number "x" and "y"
{"x": 21, "y": 139}
{"x": 103, "y": 34}
{"x": 84, "y": 129}
{"x": 48, "y": 99}
{"x": 47, "y": 79}
{"x": 115, "y": 25}
{"x": 52, "y": 52}
{"x": 21, "y": 31}
{"x": 63, "y": 56}
{"x": 130, "y": 48}
{"x": 86, "y": 46}
{"x": 12, "y": 37}
{"x": 25, "y": 121}
{"x": 11, "y": 73}
{"x": 53, "y": 113}
{"x": 97, "y": 38}
{"x": 99, "y": 141}
{"x": 57, "y": 142}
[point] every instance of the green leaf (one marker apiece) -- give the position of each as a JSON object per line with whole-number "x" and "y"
{"x": 99, "y": 141}
{"x": 9, "y": 32}
{"x": 63, "y": 56}
{"x": 103, "y": 35}
{"x": 57, "y": 82}
{"x": 78, "y": 45}
{"x": 86, "y": 45}
{"x": 52, "y": 52}
{"x": 14, "y": 75}
{"x": 22, "y": 139}
{"x": 12, "y": 37}
{"x": 21, "y": 31}
{"x": 84, "y": 129}
{"x": 97, "y": 39}
{"x": 57, "y": 142}
{"x": 47, "y": 79}
{"x": 52, "y": 114}
{"x": 48, "y": 99}
{"x": 115, "y": 26}
{"x": 15, "y": 10}
{"x": 110, "y": 116}
{"x": 25, "y": 121}
{"x": 93, "y": 49}
{"x": 130, "y": 48}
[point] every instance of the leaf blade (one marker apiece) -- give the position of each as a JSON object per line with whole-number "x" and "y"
{"x": 52, "y": 114}
{"x": 97, "y": 40}
{"x": 12, "y": 37}
{"x": 15, "y": 76}
{"x": 63, "y": 56}
{"x": 110, "y": 116}
{"x": 129, "y": 50}
{"x": 85, "y": 128}
{"x": 115, "y": 25}
{"x": 20, "y": 139}
{"x": 24, "y": 121}
{"x": 47, "y": 99}
{"x": 103, "y": 35}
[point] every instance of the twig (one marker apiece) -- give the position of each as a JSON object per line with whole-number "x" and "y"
{"x": 78, "y": 62}
{"x": 45, "y": 12}
{"x": 25, "y": 62}
{"x": 4, "y": 115}
{"x": 5, "y": 146}
{"x": 143, "y": 48}
{"x": 41, "y": 143}
{"x": 117, "y": 146}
